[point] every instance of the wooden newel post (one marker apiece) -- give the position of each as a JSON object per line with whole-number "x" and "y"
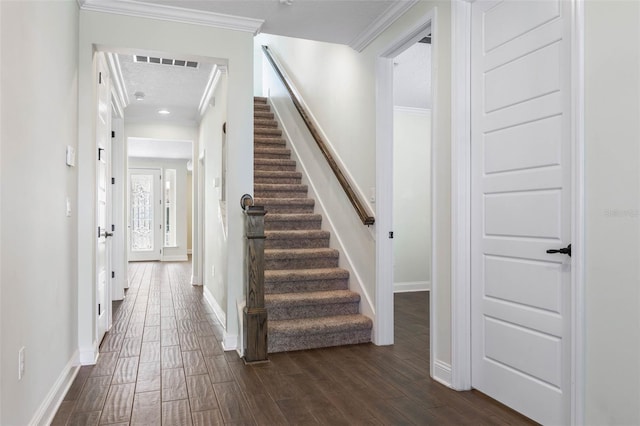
{"x": 255, "y": 314}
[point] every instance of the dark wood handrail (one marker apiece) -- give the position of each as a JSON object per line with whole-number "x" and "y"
{"x": 364, "y": 215}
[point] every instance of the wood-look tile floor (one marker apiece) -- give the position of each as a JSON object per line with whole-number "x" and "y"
{"x": 162, "y": 363}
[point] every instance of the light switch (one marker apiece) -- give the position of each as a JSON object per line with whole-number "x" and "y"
{"x": 71, "y": 156}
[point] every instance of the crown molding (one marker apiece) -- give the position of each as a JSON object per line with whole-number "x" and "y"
{"x": 388, "y": 17}
{"x": 174, "y": 14}
{"x": 117, "y": 79}
{"x": 214, "y": 78}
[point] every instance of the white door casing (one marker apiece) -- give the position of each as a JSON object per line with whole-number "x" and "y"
{"x": 103, "y": 199}
{"x": 145, "y": 214}
{"x": 521, "y": 140}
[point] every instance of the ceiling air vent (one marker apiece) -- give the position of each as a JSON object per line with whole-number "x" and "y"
{"x": 165, "y": 61}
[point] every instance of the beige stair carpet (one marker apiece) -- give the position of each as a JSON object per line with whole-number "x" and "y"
{"x": 306, "y": 292}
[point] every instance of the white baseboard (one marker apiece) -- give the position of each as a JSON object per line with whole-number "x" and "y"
{"x": 175, "y": 258}
{"x": 241, "y": 304}
{"x": 408, "y": 286}
{"x": 88, "y": 356}
{"x": 195, "y": 280}
{"x": 217, "y": 309}
{"x": 189, "y": 251}
{"x": 442, "y": 372}
{"x": 47, "y": 410}
{"x": 230, "y": 342}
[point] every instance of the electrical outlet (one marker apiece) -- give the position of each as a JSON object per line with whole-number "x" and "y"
{"x": 21, "y": 362}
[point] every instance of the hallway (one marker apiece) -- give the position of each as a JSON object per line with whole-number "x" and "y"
{"x": 163, "y": 363}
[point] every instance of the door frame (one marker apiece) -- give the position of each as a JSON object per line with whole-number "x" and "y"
{"x": 384, "y": 318}
{"x": 461, "y": 203}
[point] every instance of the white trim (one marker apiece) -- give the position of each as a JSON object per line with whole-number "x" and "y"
{"x": 411, "y": 286}
{"x": 117, "y": 80}
{"x": 412, "y": 110}
{"x": 460, "y": 194}
{"x": 384, "y": 21}
{"x": 46, "y": 412}
{"x": 189, "y": 251}
{"x": 442, "y": 373}
{"x": 367, "y": 306}
{"x": 174, "y": 14}
{"x": 175, "y": 258}
{"x": 212, "y": 83}
{"x": 383, "y": 331}
{"x": 578, "y": 324}
{"x": 195, "y": 280}
{"x": 229, "y": 342}
{"x": 217, "y": 309}
{"x": 88, "y": 356}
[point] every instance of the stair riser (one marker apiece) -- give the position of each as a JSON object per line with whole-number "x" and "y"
{"x": 262, "y": 122}
{"x": 274, "y": 168}
{"x": 277, "y": 180}
{"x": 301, "y": 263}
{"x": 269, "y": 143}
{"x": 288, "y": 209}
{"x": 297, "y": 225}
{"x": 267, "y": 132}
{"x": 261, "y": 107}
{"x": 295, "y": 243}
{"x": 272, "y": 155}
{"x": 280, "y": 194}
{"x": 280, "y": 343}
{"x": 312, "y": 311}
{"x": 263, "y": 115}
{"x": 279, "y": 287}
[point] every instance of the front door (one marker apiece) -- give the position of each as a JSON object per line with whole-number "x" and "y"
{"x": 103, "y": 204}
{"x": 145, "y": 215}
{"x": 521, "y": 204}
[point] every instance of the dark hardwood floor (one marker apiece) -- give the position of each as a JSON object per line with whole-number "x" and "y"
{"x": 163, "y": 363}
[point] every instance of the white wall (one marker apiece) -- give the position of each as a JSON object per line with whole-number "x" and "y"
{"x": 339, "y": 86}
{"x": 411, "y": 199}
{"x": 216, "y": 261}
{"x": 179, "y": 252}
{"x": 38, "y": 245}
{"x": 110, "y": 31}
{"x": 612, "y": 135}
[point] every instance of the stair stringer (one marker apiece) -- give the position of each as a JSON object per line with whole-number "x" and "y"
{"x": 346, "y": 260}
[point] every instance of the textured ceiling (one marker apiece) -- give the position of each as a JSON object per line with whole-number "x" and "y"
{"x": 155, "y": 148}
{"x": 178, "y": 89}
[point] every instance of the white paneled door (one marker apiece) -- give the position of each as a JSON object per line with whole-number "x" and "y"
{"x": 145, "y": 215}
{"x": 103, "y": 201}
{"x": 521, "y": 204}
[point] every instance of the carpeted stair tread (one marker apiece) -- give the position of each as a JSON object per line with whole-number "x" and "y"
{"x": 283, "y": 275}
{"x": 314, "y": 253}
{"x": 261, "y": 107}
{"x": 269, "y": 142}
{"x": 291, "y": 221}
{"x": 276, "y": 177}
{"x": 279, "y": 281}
{"x": 316, "y": 304}
{"x": 263, "y": 114}
{"x": 314, "y": 238}
{"x": 259, "y": 99}
{"x": 264, "y": 122}
{"x": 307, "y": 298}
{"x": 279, "y": 190}
{"x": 321, "y": 325}
{"x": 274, "y": 164}
{"x": 286, "y": 205}
{"x": 283, "y": 153}
{"x": 274, "y": 131}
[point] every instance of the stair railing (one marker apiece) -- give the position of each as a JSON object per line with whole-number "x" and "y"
{"x": 357, "y": 203}
{"x": 255, "y": 314}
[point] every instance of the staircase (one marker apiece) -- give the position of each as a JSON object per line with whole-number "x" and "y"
{"x": 307, "y": 295}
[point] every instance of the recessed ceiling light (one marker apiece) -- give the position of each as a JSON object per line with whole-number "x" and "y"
{"x": 164, "y": 112}
{"x": 139, "y": 96}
